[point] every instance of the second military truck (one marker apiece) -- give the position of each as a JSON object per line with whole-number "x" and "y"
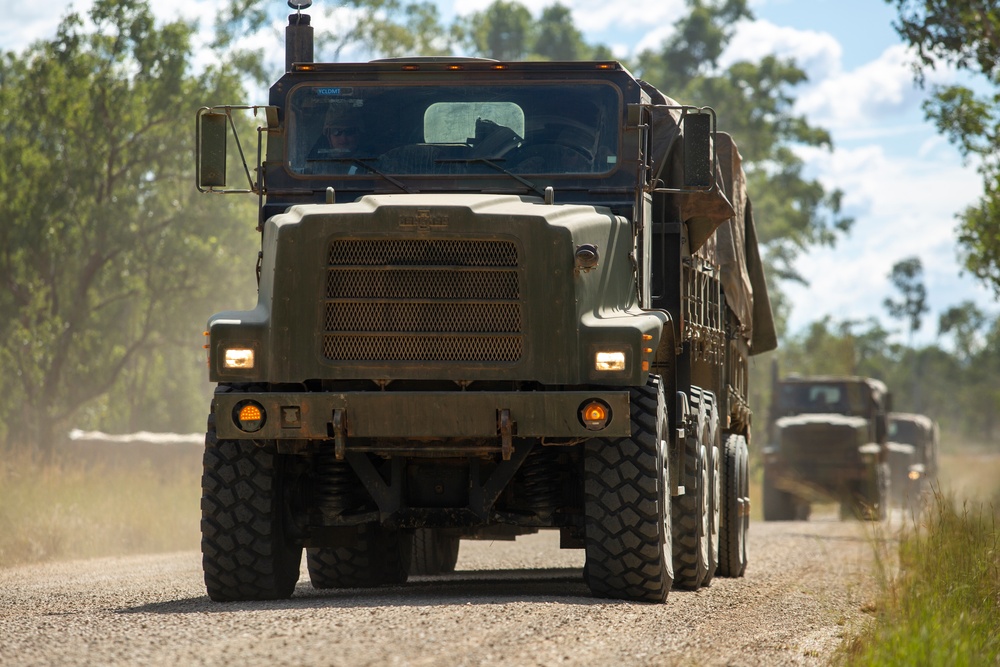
{"x": 828, "y": 442}
{"x": 494, "y": 298}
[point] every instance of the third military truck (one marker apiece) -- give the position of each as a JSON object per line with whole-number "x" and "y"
{"x": 828, "y": 442}
{"x": 493, "y": 298}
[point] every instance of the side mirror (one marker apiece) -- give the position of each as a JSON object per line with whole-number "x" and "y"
{"x": 698, "y": 162}
{"x": 213, "y": 129}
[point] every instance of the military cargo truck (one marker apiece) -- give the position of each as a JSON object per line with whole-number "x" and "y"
{"x": 828, "y": 442}
{"x": 494, "y": 298}
{"x": 913, "y": 454}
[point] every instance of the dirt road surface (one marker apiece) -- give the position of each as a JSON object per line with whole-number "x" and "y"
{"x": 509, "y": 603}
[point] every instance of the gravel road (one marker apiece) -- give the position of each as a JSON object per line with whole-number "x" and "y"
{"x": 509, "y": 603}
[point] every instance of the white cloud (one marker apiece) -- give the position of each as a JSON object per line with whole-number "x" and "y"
{"x": 904, "y": 207}
{"x": 817, "y": 53}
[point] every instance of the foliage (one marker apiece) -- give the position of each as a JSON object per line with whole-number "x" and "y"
{"x": 755, "y": 102}
{"x": 965, "y": 34}
{"x": 907, "y": 277}
{"x": 107, "y": 266}
{"x": 943, "y": 606}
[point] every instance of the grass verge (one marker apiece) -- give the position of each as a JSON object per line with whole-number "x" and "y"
{"x": 941, "y": 605}
{"x": 99, "y": 500}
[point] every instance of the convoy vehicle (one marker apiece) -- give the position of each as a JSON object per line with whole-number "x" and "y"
{"x": 828, "y": 442}
{"x": 521, "y": 297}
{"x": 913, "y": 457}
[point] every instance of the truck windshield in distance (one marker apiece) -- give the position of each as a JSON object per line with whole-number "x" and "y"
{"x": 453, "y": 129}
{"x": 820, "y": 398}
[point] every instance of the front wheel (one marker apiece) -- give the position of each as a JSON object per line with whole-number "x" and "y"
{"x": 246, "y": 554}
{"x": 627, "y": 505}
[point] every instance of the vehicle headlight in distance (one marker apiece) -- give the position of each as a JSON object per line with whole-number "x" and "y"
{"x": 609, "y": 361}
{"x": 238, "y": 357}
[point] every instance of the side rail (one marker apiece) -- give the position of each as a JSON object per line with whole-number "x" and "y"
{"x": 214, "y": 127}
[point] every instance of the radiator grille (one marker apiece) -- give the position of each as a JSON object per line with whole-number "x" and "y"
{"x": 423, "y": 300}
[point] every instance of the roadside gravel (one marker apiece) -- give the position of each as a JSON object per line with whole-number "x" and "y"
{"x": 510, "y": 603}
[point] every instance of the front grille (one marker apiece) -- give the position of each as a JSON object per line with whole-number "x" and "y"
{"x": 819, "y": 445}
{"x": 423, "y": 300}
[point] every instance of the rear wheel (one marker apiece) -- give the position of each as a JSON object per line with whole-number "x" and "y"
{"x": 735, "y": 508}
{"x": 246, "y": 553}
{"x": 375, "y": 556}
{"x": 434, "y": 552}
{"x": 692, "y": 511}
{"x": 627, "y": 505}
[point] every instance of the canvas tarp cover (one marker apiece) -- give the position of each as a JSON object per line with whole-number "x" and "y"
{"x": 728, "y": 213}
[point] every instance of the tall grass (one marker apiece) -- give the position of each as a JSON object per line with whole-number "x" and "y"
{"x": 942, "y": 605}
{"x": 98, "y": 500}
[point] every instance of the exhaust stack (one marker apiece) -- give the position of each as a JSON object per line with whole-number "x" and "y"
{"x": 298, "y": 35}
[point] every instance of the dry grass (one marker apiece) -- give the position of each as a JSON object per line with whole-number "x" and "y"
{"x": 941, "y": 604}
{"x": 93, "y": 499}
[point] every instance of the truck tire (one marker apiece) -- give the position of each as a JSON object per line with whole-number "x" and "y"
{"x": 692, "y": 511}
{"x": 627, "y": 505}
{"x": 375, "y": 556}
{"x": 778, "y": 505}
{"x": 735, "y": 508}
{"x": 434, "y": 552}
{"x": 714, "y": 450}
{"x": 246, "y": 554}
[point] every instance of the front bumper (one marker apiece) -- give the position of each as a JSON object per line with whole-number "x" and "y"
{"x": 420, "y": 415}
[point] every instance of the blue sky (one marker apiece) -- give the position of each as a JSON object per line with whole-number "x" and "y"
{"x": 903, "y": 183}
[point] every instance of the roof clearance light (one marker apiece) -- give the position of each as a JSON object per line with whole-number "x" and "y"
{"x": 455, "y": 67}
{"x": 238, "y": 358}
{"x": 249, "y": 416}
{"x": 411, "y": 68}
{"x": 499, "y": 66}
{"x": 595, "y": 414}
{"x": 609, "y": 361}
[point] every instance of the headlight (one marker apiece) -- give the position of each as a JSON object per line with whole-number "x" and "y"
{"x": 238, "y": 357}
{"x": 609, "y": 361}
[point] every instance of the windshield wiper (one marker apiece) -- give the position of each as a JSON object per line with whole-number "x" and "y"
{"x": 494, "y": 165}
{"x": 363, "y": 162}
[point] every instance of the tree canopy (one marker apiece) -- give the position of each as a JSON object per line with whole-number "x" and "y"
{"x": 107, "y": 268}
{"x": 964, "y": 34}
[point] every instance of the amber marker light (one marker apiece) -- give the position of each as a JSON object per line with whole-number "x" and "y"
{"x": 914, "y": 474}
{"x": 595, "y": 414}
{"x": 249, "y": 416}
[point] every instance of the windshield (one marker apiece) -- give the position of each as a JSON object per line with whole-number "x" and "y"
{"x": 826, "y": 397}
{"x": 445, "y": 130}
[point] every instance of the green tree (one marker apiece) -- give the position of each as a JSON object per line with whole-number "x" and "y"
{"x": 108, "y": 268}
{"x": 907, "y": 277}
{"x": 964, "y": 323}
{"x": 964, "y": 34}
{"x": 558, "y": 38}
{"x": 503, "y": 31}
{"x": 755, "y": 102}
